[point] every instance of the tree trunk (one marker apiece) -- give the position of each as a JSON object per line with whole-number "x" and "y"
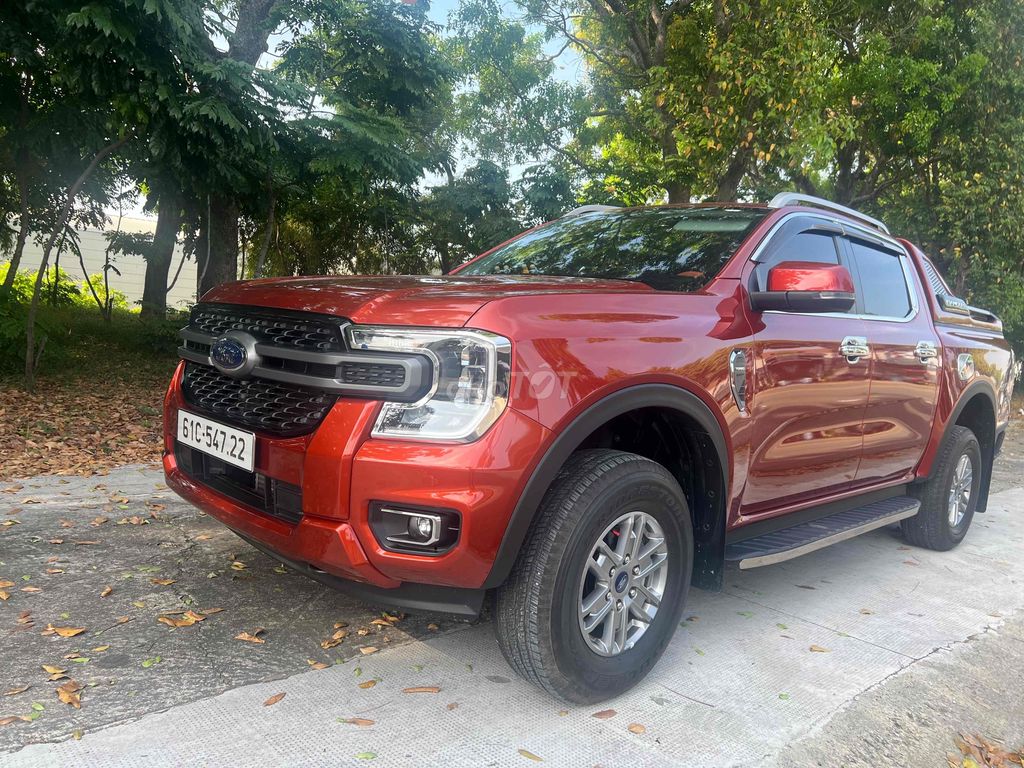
{"x": 23, "y": 229}
{"x": 249, "y": 42}
{"x": 221, "y": 237}
{"x": 161, "y": 253}
{"x": 267, "y": 233}
{"x": 729, "y": 182}
{"x": 678, "y": 192}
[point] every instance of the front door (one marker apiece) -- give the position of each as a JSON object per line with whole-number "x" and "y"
{"x": 808, "y": 397}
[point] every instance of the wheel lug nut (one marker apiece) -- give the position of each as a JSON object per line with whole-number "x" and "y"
{"x": 627, "y": 558}
{"x": 632, "y": 592}
{"x": 611, "y": 572}
{"x": 608, "y": 595}
{"x": 618, "y": 605}
{"x": 636, "y": 570}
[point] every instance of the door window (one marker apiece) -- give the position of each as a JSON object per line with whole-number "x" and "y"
{"x": 814, "y": 246}
{"x": 884, "y": 290}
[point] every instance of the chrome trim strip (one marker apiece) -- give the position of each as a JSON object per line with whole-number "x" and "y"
{"x": 419, "y": 369}
{"x": 435, "y": 529}
{"x": 835, "y": 538}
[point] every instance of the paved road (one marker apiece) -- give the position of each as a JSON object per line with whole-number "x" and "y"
{"x": 739, "y": 684}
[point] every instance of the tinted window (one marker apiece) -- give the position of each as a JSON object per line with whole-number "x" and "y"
{"x": 672, "y": 249}
{"x": 819, "y": 247}
{"x": 883, "y": 283}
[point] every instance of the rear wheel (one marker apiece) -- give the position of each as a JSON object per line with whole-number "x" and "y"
{"x": 949, "y": 497}
{"x": 599, "y": 585}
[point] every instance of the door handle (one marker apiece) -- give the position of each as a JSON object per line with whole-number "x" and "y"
{"x": 925, "y": 351}
{"x": 854, "y": 348}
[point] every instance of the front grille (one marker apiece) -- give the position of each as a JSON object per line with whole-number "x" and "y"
{"x": 278, "y": 327}
{"x": 266, "y": 406}
{"x": 264, "y": 494}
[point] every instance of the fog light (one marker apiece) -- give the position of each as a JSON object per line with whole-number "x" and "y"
{"x": 420, "y": 530}
{"x": 423, "y": 527}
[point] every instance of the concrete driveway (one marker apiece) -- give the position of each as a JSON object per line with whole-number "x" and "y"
{"x": 869, "y": 652}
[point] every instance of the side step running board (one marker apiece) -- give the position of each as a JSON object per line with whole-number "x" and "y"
{"x": 787, "y": 543}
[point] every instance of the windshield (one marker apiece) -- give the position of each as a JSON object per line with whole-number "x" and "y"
{"x": 671, "y": 249}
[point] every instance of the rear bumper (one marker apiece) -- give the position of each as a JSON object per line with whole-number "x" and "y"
{"x": 340, "y": 472}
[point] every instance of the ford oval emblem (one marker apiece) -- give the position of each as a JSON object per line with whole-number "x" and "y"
{"x": 229, "y": 355}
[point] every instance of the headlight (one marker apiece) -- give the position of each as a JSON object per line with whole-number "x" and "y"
{"x": 470, "y": 386}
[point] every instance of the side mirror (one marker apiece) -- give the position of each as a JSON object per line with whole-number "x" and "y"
{"x": 805, "y": 286}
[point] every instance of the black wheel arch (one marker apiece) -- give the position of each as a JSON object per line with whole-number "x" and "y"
{"x": 709, "y": 551}
{"x": 976, "y": 410}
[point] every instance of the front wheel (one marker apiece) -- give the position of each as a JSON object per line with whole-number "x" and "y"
{"x": 600, "y": 583}
{"x": 950, "y": 496}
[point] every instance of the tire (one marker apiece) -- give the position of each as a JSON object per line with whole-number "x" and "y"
{"x": 936, "y": 526}
{"x": 538, "y": 610}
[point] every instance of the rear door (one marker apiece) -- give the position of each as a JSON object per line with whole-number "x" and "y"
{"x": 808, "y": 398}
{"x": 905, "y": 358}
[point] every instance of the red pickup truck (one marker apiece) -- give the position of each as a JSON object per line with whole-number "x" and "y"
{"x": 592, "y": 417}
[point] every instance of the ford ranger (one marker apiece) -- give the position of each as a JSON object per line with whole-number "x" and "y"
{"x": 592, "y": 417}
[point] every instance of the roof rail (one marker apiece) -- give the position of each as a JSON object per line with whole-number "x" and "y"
{"x": 591, "y": 209}
{"x": 783, "y": 199}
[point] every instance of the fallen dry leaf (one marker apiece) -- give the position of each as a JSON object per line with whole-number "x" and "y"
{"x": 163, "y": 582}
{"x": 367, "y": 684}
{"x": 63, "y": 631}
{"x": 453, "y": 705}
{"x": 253, "y": 637}
{"x": 818, "y": 649}
{"x": 422, "y": 689}
{"x": 100, "y": 648}
{"x": 5, "y": 595}
{"x": 70, "y": 693}
{"x": 636, "y": 728}
{"x": 15, "y": 719}
{"x": 31, "y": 589}
{"x": 366, "y": 650}
{"x": 605, "y": 714}
{"x": 52, "y": 670}
{"x": 4, "y": 584}
{"x": 530, "y": 756}
{"x": 866, "y": 611}
{"x": 106, "y": 591}
{"x": 187, "y": 619}
{"x": 86, "y": 543}
{"x": 381, "y": 623}
{"x": 362, "y": 722}
{"x": 98, "y": 520}
{"x": 16, "y": 691}
{"x": 56, "y": 541}
{"x": 52, "y": 571}
{"x": 273, "y": 699}
{"x": 317, "y": 664}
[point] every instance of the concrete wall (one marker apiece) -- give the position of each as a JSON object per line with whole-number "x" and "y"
{"x": 132, "y": 268}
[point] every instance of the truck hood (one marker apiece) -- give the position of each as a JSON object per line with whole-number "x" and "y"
{"x": 448, "y": 301}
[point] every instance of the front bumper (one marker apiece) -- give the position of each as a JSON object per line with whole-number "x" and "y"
{"x": 340, "y": 471}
